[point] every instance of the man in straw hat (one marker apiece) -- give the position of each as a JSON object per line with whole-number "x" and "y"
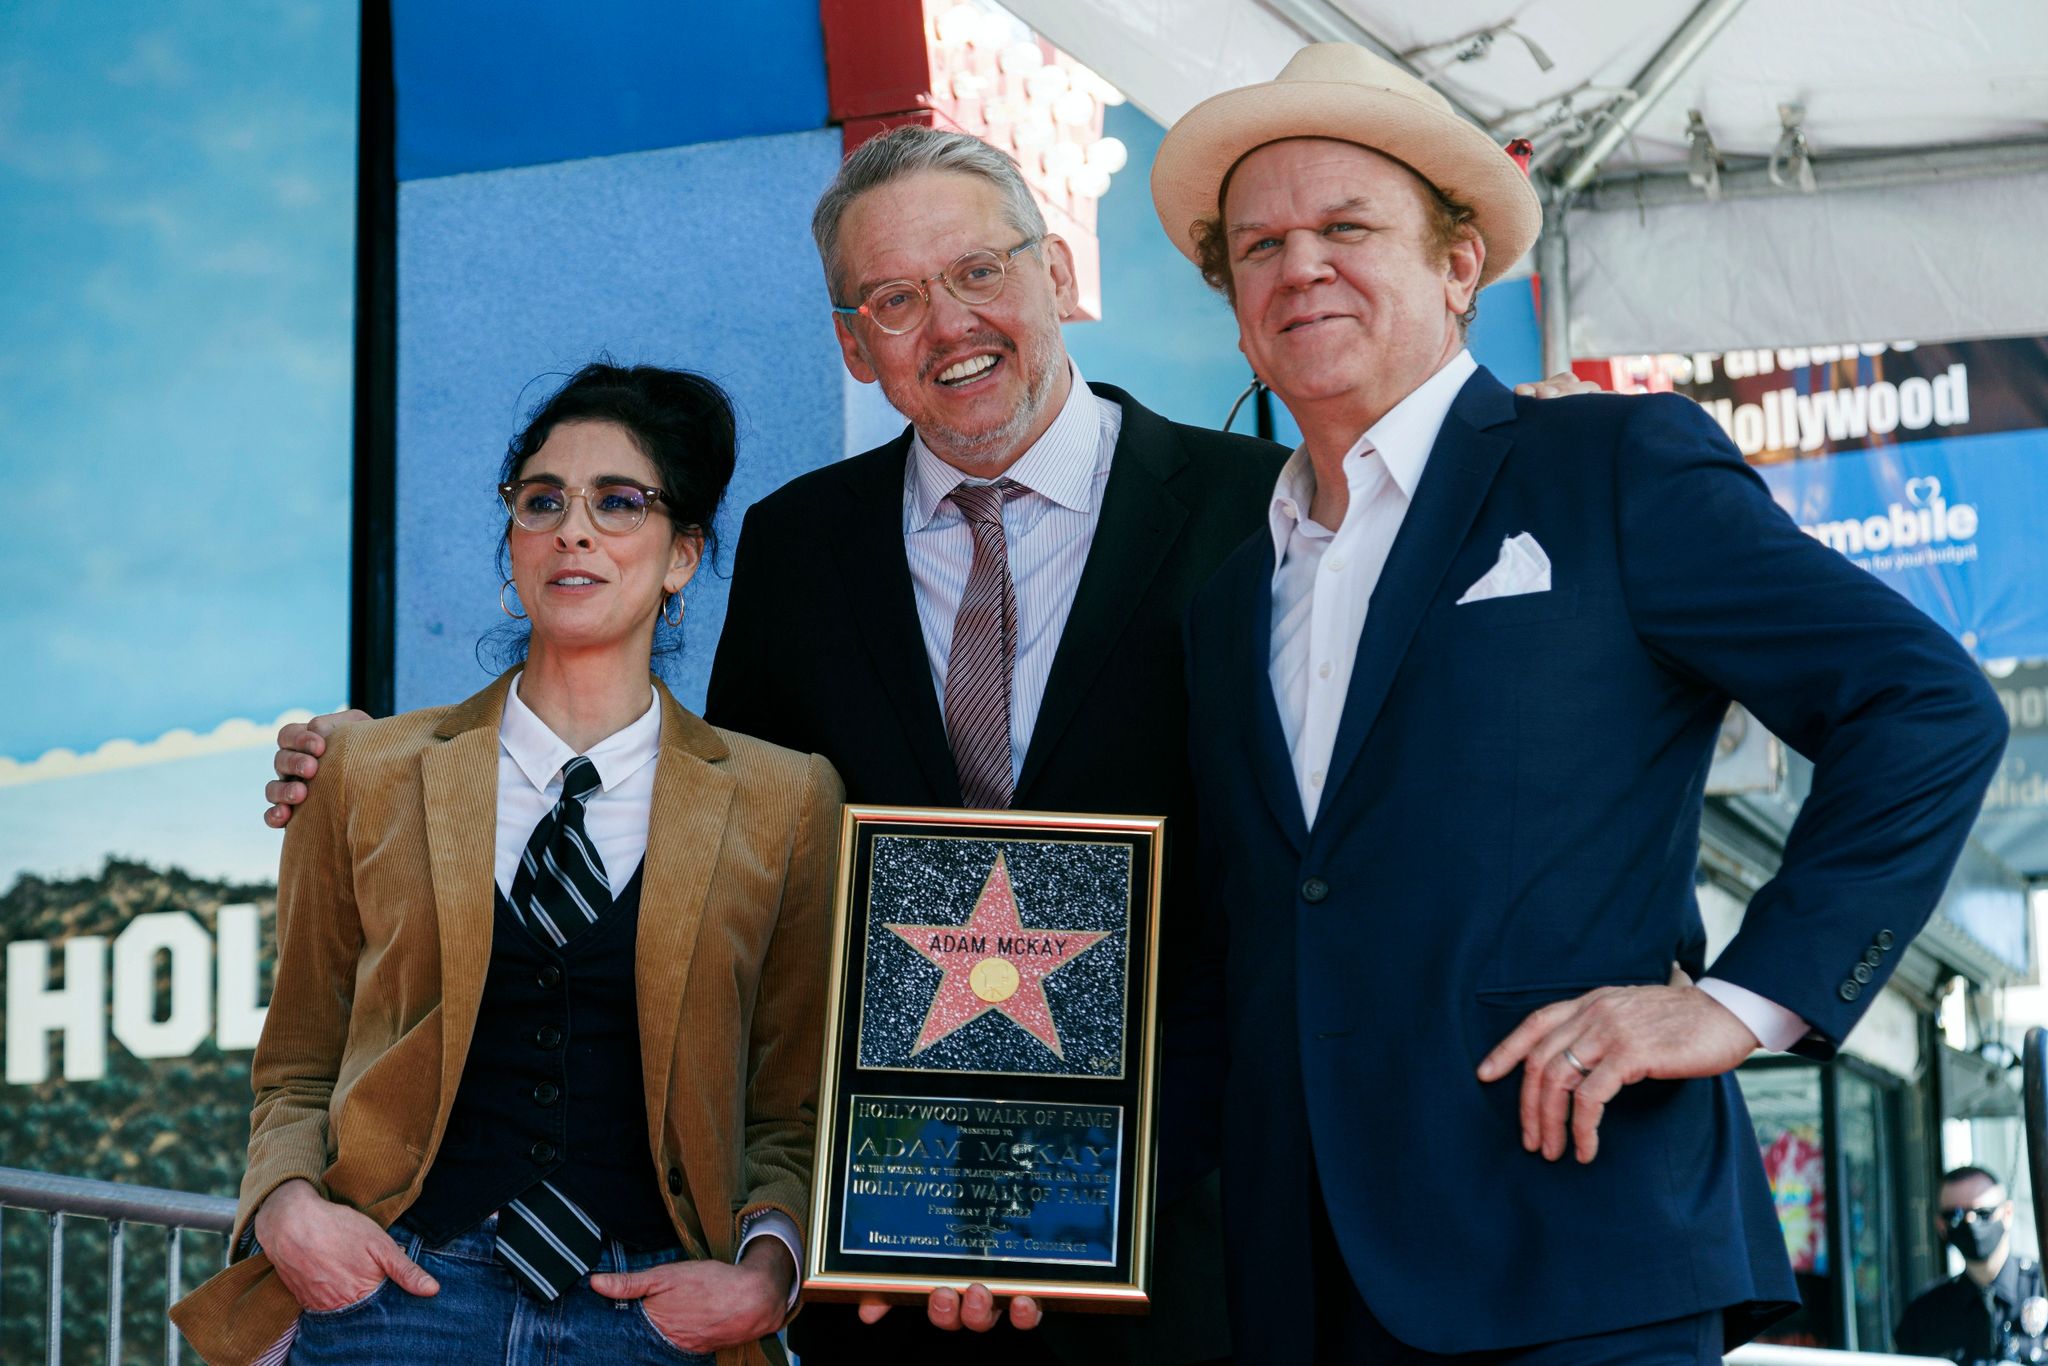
{"x": 1475, "y": 668}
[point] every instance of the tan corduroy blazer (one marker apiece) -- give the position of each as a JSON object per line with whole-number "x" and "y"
{"x": 384, "y": 919}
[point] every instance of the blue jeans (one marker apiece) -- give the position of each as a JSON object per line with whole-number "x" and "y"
{"x": 482, "y": 1317}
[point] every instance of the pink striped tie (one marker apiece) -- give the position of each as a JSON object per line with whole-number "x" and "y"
{"x": 984, "y": 651}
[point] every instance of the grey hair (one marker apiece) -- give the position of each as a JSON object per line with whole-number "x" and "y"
{"x": 909, "y": 150}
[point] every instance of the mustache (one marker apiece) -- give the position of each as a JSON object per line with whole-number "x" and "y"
{"x": 980, "y": 341}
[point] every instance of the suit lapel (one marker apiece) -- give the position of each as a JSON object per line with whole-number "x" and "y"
{"x": 686, "y": 825}
{"x": 459, "y": 783}
{"x": 1249, "y": 648}
{"x": 869, "y": 546}
{"x": 1468, "y": 452}
{"x": 1139, "y": 524}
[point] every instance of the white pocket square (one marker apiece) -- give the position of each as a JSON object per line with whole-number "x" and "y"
{"x": 1521, "y": 568}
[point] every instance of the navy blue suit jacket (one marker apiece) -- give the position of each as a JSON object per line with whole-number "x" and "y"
{"x": 1512, "y": 818}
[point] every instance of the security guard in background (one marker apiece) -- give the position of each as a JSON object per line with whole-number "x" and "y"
{"x": 1995, "y": 1311}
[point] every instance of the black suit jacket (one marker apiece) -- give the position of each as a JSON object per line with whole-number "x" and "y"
{"x": 822, "y": 652}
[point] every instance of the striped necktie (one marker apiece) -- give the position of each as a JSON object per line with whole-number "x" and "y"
{"x": 546, "y": 1240}
{"x": 984, "y": 651}
{"x": 561, "y": 888}
{"x": 559, "y": 891}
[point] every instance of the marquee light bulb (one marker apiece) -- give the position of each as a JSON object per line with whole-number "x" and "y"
{"x": 1030, "y": 134}
{"x": 1064, "y": 158}
{"x": 1090, "y": 183}
{"x": 959, "y": 24}
{"x": 1109, "y": 155}
{"x": 1075, "y": 108}
{"x": 995, "y": 33}
{"x": 1046, "y": 84}
{"x": 1099, "y": 88}
{"x": 1022, "y": 58}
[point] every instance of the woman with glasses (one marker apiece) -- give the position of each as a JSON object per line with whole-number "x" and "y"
{"x": 538, "y": 1076}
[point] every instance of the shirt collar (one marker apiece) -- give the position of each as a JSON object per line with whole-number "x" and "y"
{"x": 1402, "y": 439}
{"x": 1060, "y": 465}
{"x": 2006, "y": 1284}
{"x": 540, "y": 754}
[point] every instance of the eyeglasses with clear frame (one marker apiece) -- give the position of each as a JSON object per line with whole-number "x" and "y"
{"x": 898, "y": 306}
{"x": 617, "y": 507}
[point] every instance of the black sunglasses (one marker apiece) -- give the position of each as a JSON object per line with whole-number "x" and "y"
{"x": 1964, "y": 1213}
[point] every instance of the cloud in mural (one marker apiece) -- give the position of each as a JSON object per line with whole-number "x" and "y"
{"x": 170, "y": 746}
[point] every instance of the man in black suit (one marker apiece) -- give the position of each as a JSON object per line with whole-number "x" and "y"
{"x": 848, "y": 588}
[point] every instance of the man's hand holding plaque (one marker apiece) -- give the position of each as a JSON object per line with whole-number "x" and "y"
{"x": 952, "y": 1310}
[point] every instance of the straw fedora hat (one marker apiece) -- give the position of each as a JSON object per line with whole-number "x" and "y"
{"x": 1341, "y": 91}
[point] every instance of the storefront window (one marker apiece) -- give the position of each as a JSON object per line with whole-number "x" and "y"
{"x": 1840, "y": 1157}
{"x": 1785, "y": 1106}
{"x": 1868, "y": 1126}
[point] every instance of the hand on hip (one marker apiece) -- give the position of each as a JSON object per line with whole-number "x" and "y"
{"x": 1577, "y": 1055}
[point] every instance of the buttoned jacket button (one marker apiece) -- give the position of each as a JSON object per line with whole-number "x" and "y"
{"x": 1850, "y": 991}
{"x": 675, "y": 1181}
{"x": 542, "y": 1152}
{"x": 548, "y": 1036}
{"x": 1884, "y": 939}
{"x": 549, "y": 975}
{"x": 1862, "y": 973}
{"x": 547, "y": 1093}
{"x": 1315, "y": 890}
{"x": 1873, "y": 957}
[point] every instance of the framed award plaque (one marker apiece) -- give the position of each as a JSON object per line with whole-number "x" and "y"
{"x": 986, "y": 1111}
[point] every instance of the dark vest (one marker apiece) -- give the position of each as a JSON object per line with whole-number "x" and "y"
{"x": 552, "y": 1087}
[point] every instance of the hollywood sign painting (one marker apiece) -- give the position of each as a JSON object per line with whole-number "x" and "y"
{"x": 213, "y": 988}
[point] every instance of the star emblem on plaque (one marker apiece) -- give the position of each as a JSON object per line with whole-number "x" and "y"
{"x": 996, "y": 956}
{"x": 993, "y": 962}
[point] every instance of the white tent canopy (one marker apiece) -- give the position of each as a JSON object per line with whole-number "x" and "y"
{"x": 1858, "y": 170}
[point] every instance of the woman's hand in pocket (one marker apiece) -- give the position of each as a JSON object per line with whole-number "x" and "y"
{"x": 330, "y": 1256}
{"x": 701, "y": 1306}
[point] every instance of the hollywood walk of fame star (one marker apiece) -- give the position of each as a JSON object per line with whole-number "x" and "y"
{"x": 994, "y": 963}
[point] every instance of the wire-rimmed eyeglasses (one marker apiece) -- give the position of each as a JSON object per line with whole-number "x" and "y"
{"x": 898, "y": 306}
{"x": 617, "y": 507}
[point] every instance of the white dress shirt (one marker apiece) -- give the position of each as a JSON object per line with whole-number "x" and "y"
{"x": 1047, "y": 530}
{"x": 530, "y": 762}
{"x": 1323, "y": 580}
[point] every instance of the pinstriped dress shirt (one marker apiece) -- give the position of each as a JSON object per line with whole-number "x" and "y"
{"x": 1047, "y": 530}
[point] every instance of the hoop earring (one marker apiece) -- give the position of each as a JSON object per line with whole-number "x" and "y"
{"x": 676, "y": 599}
{"x": 516, "y": 616}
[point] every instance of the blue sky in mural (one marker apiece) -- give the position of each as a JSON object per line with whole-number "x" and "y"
{"x": 177, "y": 221}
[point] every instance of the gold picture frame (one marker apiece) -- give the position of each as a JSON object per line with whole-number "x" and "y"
{"x": 987, "y": 1106}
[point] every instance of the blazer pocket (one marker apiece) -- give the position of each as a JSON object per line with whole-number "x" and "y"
{"x": 1517, "y": 608}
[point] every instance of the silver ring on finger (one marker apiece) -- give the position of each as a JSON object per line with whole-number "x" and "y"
{"x": 1573, "y": 1059}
